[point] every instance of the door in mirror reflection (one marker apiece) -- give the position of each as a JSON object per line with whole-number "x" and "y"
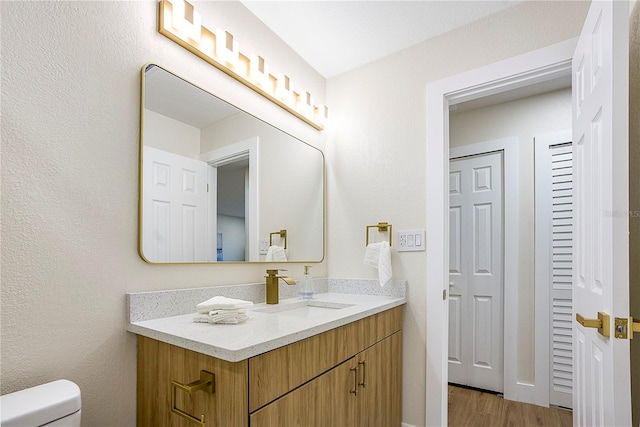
{"x": 216, "y": 181}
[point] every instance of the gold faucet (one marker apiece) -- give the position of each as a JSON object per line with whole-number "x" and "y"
{"x": 272, "y": 285}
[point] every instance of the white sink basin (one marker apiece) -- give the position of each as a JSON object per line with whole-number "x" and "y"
{"x": 306, "y": 308}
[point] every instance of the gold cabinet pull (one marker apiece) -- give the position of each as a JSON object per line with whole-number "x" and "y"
{"x": 355, "y": 381}
{"x": 364, "y": 373}
{"x": 602, "y": 323}
{"x": 206, "y": 383}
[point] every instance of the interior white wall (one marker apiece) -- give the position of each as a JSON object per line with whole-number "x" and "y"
{"x": 171, "y": 135}
{"x": 376, "y": 151}
{"x": 525, "y": 119}
{"x": 70, "y": 106}
{"x": 232, "y": 229}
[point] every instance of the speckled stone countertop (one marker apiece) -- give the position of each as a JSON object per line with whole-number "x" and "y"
{"x": 263, "y": 331}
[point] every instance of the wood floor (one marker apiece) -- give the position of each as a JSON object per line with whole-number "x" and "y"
{"x": 469, "y": 407}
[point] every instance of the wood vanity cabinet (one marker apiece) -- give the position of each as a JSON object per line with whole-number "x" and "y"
{"x": 347, "y": 376}
{"x": 365, "y": 390}
{"x": 159, "y": 364}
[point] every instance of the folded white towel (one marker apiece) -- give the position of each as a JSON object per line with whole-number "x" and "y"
{"x": 219, "y": 302}
{"x": 227, "y": 317}
{"x": 378, "y": 255}
{"x": 276, "y": 254}
{"x": 201, "y": 318}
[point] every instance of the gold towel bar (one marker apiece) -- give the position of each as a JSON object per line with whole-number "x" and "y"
{"x": 382, "y": 227}
{"x": 282, "y": 234}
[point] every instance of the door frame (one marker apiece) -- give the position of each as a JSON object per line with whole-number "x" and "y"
{"x": 510, "y": 227}
{"x": 520, "y": 71}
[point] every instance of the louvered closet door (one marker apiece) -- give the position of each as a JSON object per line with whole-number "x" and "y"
{"x": 561, "y": 274}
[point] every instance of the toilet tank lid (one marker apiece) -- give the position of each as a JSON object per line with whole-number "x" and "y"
{"x": 39, "y": 405}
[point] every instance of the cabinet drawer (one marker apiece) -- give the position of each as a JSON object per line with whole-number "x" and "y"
{"x": 274, "y": 373}
{"x": 160, "y": 363}
{"x": 365, "y": 390}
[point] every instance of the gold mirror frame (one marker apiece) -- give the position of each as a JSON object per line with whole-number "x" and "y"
{"x": 264, "y": 234}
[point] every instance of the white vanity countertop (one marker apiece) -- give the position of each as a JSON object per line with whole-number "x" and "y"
{"x": 262, "y": 332}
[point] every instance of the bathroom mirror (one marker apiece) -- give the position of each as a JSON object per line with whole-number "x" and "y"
{"x": 220, "y": 185}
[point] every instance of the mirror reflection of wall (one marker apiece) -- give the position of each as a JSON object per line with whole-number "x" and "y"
{"x": 208, "y": 168}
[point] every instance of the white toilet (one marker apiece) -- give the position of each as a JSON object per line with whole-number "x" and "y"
{"x": 55, "y": 404}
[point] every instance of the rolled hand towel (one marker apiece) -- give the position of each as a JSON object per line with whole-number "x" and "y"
{"x": 219, "y": 302}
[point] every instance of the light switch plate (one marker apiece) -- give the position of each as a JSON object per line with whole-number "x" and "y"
{"x": 409, "y": 241}
{"x": 264, "y": 246}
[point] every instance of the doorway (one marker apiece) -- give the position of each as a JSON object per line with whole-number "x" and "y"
{"x": 515, "y": 73}
{"x": 231, "y": 213}
{"x": 238, "y": 211}
{"x": 525, "y": 118}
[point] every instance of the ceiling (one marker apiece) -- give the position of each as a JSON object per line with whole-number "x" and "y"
{"x": 336, "y": 36}
{"x": 178, "y": 99}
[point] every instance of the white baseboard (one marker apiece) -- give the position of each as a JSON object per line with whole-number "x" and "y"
{"x": 409, "y": 425}
{"x": 526, "y": 393}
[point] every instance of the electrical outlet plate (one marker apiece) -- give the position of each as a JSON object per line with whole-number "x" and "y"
{"x": 263, "y": 246}
{"x": 412, "y": 240}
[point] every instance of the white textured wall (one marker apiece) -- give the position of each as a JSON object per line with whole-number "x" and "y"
{"x": 525, "y": 119}
{"x": 70, "y": 109}
{"x": 376, "y": 151}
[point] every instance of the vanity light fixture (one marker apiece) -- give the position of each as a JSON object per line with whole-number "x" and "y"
{"x": 259, "y": 72}
{"x": 187, "y": 21}
{"x": 179, "y": 21}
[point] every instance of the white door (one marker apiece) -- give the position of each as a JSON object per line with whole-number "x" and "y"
{"x": 174, "y": 207}
{"x": 601, "y": 258}
{"x": 475, "y": 272}
{"x": 554, "y": 260}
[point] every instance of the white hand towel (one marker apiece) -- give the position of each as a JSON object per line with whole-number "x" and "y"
{"x": 227, "y": 317}
{"x": 219, "y": 302}
{"x": 378, "y": 255}
{"x": 201, "y": 318}
{"x": 276, "y": 254}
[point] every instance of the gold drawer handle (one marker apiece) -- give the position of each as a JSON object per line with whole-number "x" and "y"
{"x": 602, "y": 323}
{"x": 355, "y": 380}
{"x": 206, "y": 383}
{"x": 364, "y": 373}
